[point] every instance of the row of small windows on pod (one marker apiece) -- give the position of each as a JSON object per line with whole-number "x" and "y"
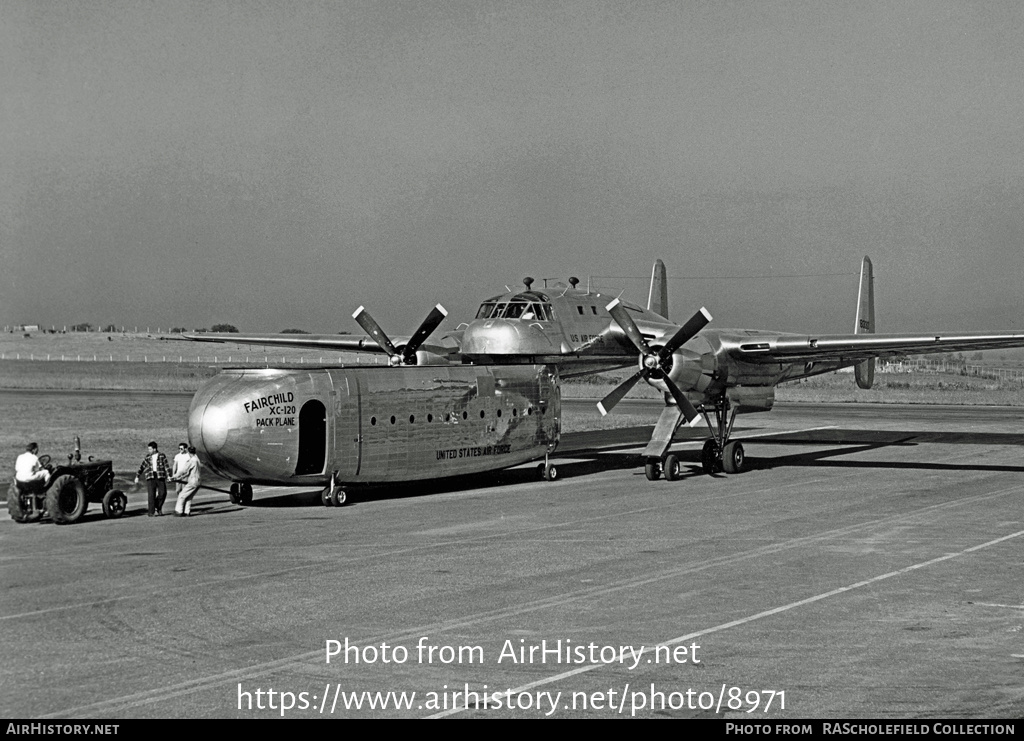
{"x": 450, "y": 416}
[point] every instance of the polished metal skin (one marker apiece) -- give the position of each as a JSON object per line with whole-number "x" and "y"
{"x": 362, "y": 426}
{"x": 705, "y": 372}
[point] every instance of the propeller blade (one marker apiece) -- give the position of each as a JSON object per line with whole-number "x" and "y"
{"x": 364, "y": 320}
{"x": 625, "y": 321}
{"x": 693, "y": 325}
{"x": 434, "y": 318}
{"x": 688, "y": 410}
{"x": 608, "y": 403}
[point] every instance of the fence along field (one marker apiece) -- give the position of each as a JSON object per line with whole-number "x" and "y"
{"x": 151, "y": 362}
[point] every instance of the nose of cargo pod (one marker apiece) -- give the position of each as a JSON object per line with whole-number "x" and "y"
{"x": 212, "y": 417}
{"x": 223, "y": 419}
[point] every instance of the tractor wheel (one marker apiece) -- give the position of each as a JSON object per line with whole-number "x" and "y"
{"x": 17, "y": 512}
{"x": 114, "y": 504}
{"x": 66, "y": 500}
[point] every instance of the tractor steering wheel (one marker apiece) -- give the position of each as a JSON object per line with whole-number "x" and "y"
{"x": 44, "y": 461}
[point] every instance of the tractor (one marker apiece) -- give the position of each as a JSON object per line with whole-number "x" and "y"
{"x": 70, "y": 489}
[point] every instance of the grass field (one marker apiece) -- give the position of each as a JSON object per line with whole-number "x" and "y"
{"x": 114, "y": 426}
{"x": 148, "y": 362}
{"x": 906, "y": 388}
{"x": 892, "y": 388}
{"x": 156, "y": 348}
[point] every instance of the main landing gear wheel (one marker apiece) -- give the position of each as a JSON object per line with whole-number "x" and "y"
{"x": 114, "y": 504}
{"x": 325, "y": 496}
{"x": 733, "y": 458}
{"x": 710, "y": 459}
{"x": 719, "y": 454}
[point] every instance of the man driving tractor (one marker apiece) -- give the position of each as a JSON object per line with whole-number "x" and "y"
{"x": 28, "y": 469}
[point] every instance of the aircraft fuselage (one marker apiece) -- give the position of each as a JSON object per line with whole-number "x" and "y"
{"x": 555, "y": 325}
{"x": 550, "y": 325}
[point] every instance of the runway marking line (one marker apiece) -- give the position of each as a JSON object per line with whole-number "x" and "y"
{"x": 755, "y": 616}
{"x": 183, "y": 688}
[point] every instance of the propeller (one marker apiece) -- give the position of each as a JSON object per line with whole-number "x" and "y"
{"x": 406, "y": 354}
{"x": 654, "y": 363}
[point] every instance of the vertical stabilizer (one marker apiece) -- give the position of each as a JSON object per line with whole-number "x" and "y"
{"x": 865, "y": 371}
{"x": 657, "y": 301}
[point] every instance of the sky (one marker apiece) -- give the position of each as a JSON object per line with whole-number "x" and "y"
{"x": 277, "y": 164}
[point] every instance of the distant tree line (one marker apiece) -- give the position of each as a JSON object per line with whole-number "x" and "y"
{"x": 86, "y": 327}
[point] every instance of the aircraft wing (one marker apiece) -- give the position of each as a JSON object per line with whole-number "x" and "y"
{"x": 331, "y": 342}
{"x": 300, "y": 341}
{"x": 857, "y": 347}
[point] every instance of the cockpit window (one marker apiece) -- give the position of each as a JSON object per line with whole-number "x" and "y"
{"x": 514, "y": 310}
{"x": 536, "y": 312}
{"x": 526, "y": 310}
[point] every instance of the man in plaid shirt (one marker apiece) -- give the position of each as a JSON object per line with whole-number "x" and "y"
{"x": 154, "y": 467}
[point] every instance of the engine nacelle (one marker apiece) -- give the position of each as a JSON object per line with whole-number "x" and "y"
{"x": 693, "y": 368}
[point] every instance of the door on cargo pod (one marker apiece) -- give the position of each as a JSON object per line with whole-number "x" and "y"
{"x": 329, "y": 426}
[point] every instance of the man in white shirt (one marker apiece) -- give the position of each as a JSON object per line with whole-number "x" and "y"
{"x": 180, "y": 464}
{"x": 27, "y": 468}
{"x": 189, "y": 479}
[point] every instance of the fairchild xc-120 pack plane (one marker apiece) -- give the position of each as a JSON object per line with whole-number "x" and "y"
{"x": 486, "y": 396}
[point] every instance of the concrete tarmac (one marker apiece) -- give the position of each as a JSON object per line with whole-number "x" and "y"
{"x": 868, "y": 565}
